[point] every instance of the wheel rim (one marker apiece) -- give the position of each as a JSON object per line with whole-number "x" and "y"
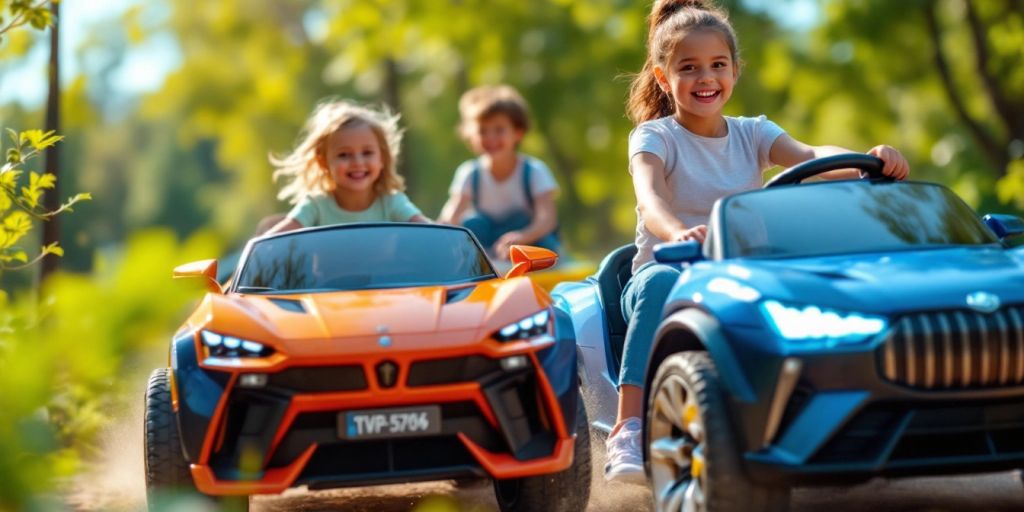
{"x": 675, "y": 440}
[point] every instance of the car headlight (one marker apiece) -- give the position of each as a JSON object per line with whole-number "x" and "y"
{"x": 530, "y": 327}
{"x": 805, "y": 325}
{"x": 229, "y": 346}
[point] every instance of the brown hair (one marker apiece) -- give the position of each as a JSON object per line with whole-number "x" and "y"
{"x": 670, "y": 21}
{"x": 302, "y": 168}
{"x": 485, "y": 101}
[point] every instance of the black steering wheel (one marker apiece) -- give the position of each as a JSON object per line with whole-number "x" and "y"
{"x": 870, "y": 167}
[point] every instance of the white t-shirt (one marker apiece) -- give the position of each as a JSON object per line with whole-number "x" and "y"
{"x": 700, "y": 170}
{"x": 499, "y": 199}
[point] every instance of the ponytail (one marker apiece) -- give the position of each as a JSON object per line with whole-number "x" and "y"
{"x": 646, "y": 99}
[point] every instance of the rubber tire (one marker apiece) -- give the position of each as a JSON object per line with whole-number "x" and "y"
{"x": 566, "y": 491}
{"x": 168, "y": 477}
{"x": 728, "y": 489}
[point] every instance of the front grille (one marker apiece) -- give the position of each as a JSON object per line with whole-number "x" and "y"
{"x": 956, "y": 350}
{"x": 319, "y": 379}
{"x": 436, "y": 372}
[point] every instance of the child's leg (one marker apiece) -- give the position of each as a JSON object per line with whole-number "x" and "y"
{"x": 484, "y": 228}
{"x": 519, "y": 220}
{"x": 642, "y": 302}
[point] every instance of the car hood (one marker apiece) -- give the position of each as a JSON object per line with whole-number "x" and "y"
{"x": 471, "y": 311}
{"x": 894, "y": 282}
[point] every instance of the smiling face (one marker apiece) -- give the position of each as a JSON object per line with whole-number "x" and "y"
{"x": 699, "y": 74}
{"x": 494, "y": 135}
{"x": 353, "y": 157}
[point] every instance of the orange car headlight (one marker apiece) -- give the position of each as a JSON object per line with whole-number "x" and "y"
{"x": 220, "y": 345}
{"x": 530, "y": 327}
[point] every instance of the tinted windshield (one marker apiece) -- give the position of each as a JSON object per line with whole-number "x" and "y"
{"x": 363, "y": 257}
{"x": 846, "y": 217}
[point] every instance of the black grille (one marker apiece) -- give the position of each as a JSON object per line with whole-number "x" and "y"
{"x": 918, "y": 434}
{"x": 340, "y": 462}
{"x": 320, "y": 379}
{"x": 449, "y": 371}
{"x": 956, "y": 350}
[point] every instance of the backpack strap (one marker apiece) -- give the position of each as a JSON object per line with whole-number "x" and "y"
{"x": 474, "y": 182}
{"x": 526, "y": 183}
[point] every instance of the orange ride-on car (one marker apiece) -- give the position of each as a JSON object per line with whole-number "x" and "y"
{"x": 365, "y": 354}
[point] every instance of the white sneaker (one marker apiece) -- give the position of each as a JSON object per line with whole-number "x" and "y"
{"x": 625, "y": 460}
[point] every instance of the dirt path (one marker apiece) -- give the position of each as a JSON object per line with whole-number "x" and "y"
{"x": 116, "y": 483}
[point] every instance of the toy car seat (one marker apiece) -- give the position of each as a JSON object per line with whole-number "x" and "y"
{"x": 611, "y": 277}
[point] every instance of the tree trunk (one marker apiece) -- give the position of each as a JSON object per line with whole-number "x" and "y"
{"x": 393, "y": 97}
{"x": 51, "y": 200}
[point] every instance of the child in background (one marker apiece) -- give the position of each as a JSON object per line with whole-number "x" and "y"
{"x": 511, "y": 195}
{"x": 683, "y": 156}
{"x": 344, "y": 170}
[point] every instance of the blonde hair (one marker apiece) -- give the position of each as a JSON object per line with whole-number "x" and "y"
{"x": 302, "y": 169}
{"x": 669, "y": 22}
{"x": 485, "y": 101}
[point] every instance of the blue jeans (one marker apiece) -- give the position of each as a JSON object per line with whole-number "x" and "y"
{"x": 488, "y": 230}
{"x": 643, "y": 299}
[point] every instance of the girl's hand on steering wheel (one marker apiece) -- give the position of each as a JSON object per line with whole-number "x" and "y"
{"x": 896, "y": 166}
{"x": 696, "y": 233}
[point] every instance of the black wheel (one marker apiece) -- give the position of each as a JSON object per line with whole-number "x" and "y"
{"x": 692, "y": 460}
{"x": 168, "y": 478}
{"x": 567, "y": 491}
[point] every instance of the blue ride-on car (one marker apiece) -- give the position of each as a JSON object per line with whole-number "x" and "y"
{"x": 825, "y": 333}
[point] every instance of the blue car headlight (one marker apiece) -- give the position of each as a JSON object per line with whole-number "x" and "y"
{"x": 809, "y": 326}
{"x": 220, "y": 345}
{"x": 530, "y": 327}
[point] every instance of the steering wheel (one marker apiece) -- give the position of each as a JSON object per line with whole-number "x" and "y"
{"x": 869, "y": 166}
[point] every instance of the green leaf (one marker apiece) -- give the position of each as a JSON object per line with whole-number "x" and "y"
{"x": 15, "y": 256}
{"x": 30, "y": 196}
{"x": 39, "y": 139}
{"x": 13, "y": 135}
{"x": 15, "y": 226}
{"x": 53, "y": 248}
{"x": 9, "y": 179}
{"x": 14, "y": 155}
{"x": 37, "y": 181}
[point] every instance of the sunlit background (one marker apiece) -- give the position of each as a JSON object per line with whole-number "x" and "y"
{"x": 169, "y": 110}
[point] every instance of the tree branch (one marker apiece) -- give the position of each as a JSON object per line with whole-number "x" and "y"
{"x": 992, "y": 150}
{"x": 1007, "y": 111}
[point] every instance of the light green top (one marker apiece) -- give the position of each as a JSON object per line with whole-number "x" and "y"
{"x": 323, "y": 210}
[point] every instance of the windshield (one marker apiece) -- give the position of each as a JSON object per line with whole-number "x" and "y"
{"x": 358, "y": 257}
{"x": 847, "y": 217}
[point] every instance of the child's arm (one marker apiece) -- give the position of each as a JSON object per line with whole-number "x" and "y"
{"x": 454, "y": 209}
{"x": 544, "y": 221}
{"x": 287, "y": 224}
{"x": 787, "y": 152}
{"x": 651, "y": 193}
{"x": 422, "y": 219}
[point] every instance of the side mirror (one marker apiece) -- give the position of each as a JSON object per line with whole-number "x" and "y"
{"x": 207, "y": 269}
{"x": 1004, "y": 226}
{"x": 526, "y": 258}
{"x": 678, "y": 252}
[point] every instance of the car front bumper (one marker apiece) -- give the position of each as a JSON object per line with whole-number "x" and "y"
{"x": 847, "y": 415}
{"x": 494, "y": 422}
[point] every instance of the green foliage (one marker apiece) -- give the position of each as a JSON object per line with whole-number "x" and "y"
{"x": 19, "y": 205}
{"x": 22, "y": 12}
{"x": 65, "y": 358}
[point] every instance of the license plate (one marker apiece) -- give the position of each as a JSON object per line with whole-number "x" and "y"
{"x": 398, "y": 422}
